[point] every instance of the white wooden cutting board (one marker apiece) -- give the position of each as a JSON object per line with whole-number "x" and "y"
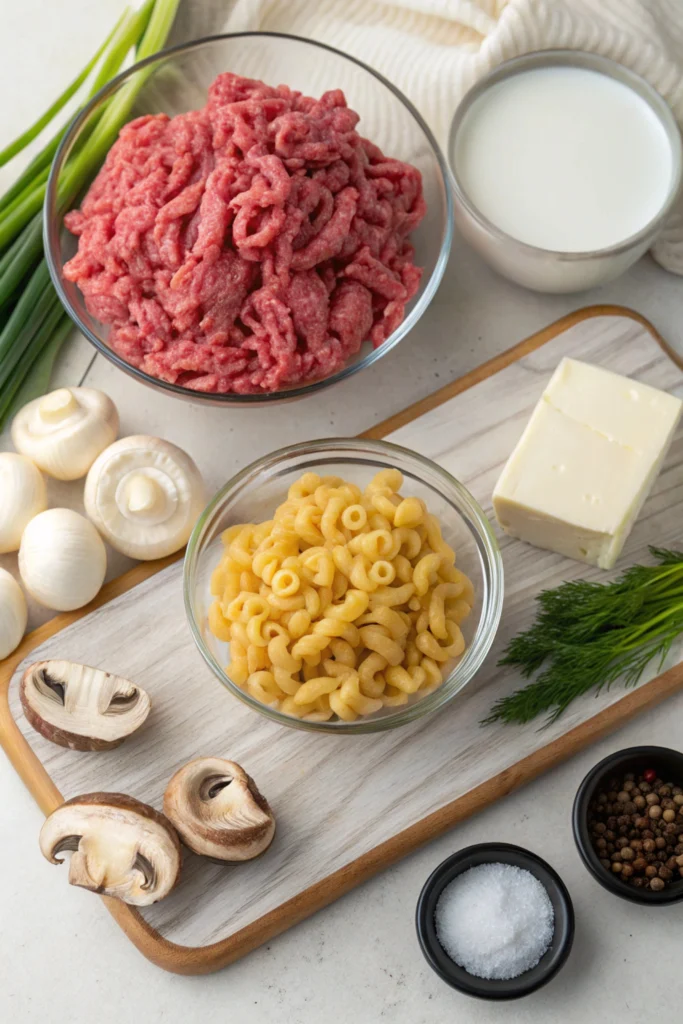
{"x": 348, "y": 806}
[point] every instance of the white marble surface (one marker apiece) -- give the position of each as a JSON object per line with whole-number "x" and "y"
{"x": 62, "y": 958}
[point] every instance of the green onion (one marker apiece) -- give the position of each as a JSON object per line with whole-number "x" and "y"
{"x": 33, "y": 324}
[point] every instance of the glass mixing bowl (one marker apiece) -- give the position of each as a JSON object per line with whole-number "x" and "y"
{"x": 252, "y": 496}
{"x": 177, "y": 80}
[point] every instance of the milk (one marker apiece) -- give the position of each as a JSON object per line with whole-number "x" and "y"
{"x": 564, "y": 158}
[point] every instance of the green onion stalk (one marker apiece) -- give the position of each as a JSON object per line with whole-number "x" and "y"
{"x": 33, "y": 323}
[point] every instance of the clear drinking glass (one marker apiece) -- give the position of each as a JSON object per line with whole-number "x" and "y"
{"x": 177, "y": 80}
{"x": 254, "y": 493}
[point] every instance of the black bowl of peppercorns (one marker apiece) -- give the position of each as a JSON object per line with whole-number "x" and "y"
{"x": 628, "y": 824}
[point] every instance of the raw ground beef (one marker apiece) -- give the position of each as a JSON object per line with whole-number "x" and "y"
{"x": 249, "y": 246}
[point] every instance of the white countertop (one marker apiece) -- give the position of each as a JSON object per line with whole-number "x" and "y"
{"x": 61, "y": 956}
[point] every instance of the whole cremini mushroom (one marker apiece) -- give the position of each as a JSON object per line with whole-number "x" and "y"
{"x": 22, "y": 496}
{"x": 144, "y": 495}
{"x": 13, "y": 614}
{"x": 218, "y": 810}
{"x": 80, "y": 707}
{"x": 65, "y": 431}
{"x": 119, "y": 847}
{"x": 62, "y": 560}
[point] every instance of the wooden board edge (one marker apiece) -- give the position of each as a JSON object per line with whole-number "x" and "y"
{"x": 206, "y": 959}
{"x": 511, "y": 355}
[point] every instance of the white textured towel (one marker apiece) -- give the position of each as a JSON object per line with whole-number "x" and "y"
{"x": 434, "y": 50}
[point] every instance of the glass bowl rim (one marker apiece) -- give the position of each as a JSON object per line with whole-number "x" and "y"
{"x": 489, "y": 618}
{"x": 52, "y": 228}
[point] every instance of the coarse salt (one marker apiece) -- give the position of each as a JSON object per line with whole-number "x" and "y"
{"x": 495, "y": 920}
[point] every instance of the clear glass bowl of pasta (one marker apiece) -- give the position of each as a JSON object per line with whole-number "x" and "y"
{"x": 336, "y": 614}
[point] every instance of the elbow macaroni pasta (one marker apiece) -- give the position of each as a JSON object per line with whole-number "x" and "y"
{"x": 346, "y": 602}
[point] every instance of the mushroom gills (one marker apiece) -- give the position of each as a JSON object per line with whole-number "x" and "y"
{"x": 81, "y": 707}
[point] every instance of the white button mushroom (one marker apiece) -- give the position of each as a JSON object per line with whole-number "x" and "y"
{"x": 13, "y": 614}
{"x": 119, "y": 847}
{"x": 65, "y": 431}
{"x": 22, "y": 496}
{"x": 80, "y": 707}
{"x": 218, "y": 810}
{"x": 62, "y": 559}
{"x": 144, "y": 495}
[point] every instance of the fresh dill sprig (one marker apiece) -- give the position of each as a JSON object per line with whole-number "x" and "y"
{"x": 588, "y": 635}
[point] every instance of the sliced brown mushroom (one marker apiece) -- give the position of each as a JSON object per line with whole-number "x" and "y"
{"x": 218, "y": 810}
{"x": 81, "y": 707}
{"x": 119, "y": 847}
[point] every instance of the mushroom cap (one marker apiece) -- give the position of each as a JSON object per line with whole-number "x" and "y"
{"x": 62, "y": 559}
{"x": 64, "y": 432}
{"x": 119, "y": 847}
{"x": 23, "y": 495}
{"x": 13, "y": 614}
{"x": 218, "y": 810}
{"x": 80, "y": 707}
{"x": 144, "y": 495}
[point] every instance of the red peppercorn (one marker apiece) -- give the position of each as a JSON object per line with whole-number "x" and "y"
{"x": 650, "y": 775}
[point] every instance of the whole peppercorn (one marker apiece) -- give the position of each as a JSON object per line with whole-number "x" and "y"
{"x": 601, "y": 844}
{"x": 622, "y": 797}
{"x": 629, "y": 777}
{"x": 679, "y": 860}
{"x": 611, "y": 822}
{"x": 623, "y": 819}
{"x": 657, "y": 884}
{"x": 626, "y": 871}
{"x": 641, "y": 823}
{"x": 605, "y": 863}
{"x": 667, "y": 803}
{"x": 671, "y": 863}
{"x": 678, "y": 799}
{"x": 610, "y": 847}
{"x": 639, "y": 864}
{"x": 665, "y": 873}
{"x": 638, "y": 882}
{"x": 668, "y": 815}
{"x": 623, "y": 830}
{"x": 617, "y": 867}
{"x": 665, "y": 790}
{"x": 621, "y": 843}
{"x": 660, "y": 843}
{"x": 644, "y": 787}
{"x": 650, "y": 871}
{"x": 649, "y": 846}
{"x": 655, "y": 811}
{"x": 670, "y": 830}
{"x": 651, "y": 799}
{"x": 636, "y": 844}
{"x": 678, "y": 848}
{"x": 627, "y": 853}
{"x": 660, "y": 857}
{"x": 600, "y": 827}
{"x": 629, "y": 784}
{"x": 616, "y": 856}
{"x": 612, "y": 796}
{"x": 640, "y": 802}
{"x": 629, "y": 808}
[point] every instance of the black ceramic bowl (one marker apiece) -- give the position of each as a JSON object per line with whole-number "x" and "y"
{"x": 669, "y": 766}
{"x": 458, "y": 977}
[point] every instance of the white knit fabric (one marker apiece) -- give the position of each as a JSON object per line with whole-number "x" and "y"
{"x": 434, "y": 50}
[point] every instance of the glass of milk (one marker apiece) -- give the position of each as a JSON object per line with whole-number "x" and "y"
{"x": 565, "y": 165}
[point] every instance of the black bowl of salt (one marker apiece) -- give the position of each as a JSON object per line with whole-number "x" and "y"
{"x": 495, "y": 921}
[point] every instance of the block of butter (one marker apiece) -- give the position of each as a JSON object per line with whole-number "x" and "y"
{"x": 585, "y": 463}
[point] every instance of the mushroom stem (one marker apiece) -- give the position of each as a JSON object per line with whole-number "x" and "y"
{"x": 57, "y": 406}
{"x": 142, "y": 493}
